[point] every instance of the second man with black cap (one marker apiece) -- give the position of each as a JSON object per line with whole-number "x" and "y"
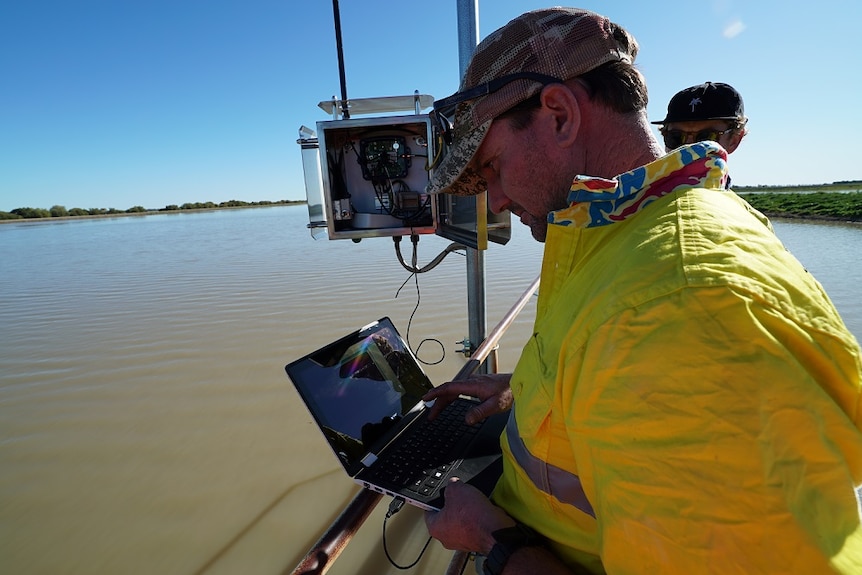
{"x": 710, "y": 111}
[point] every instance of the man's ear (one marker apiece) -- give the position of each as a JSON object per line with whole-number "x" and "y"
{"x": 562, "y": 107}
{"x": 735, "y": 140}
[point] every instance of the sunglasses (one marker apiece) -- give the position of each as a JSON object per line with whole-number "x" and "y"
{"x": 675, "y": 138}
{"x": 443, "y": 115}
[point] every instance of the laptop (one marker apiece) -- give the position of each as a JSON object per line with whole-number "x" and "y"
{"x": 365, "y": 391}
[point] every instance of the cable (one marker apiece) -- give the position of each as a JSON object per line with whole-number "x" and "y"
{"x": 453, "y": 247}
{"x": 394, "y": 507}
{"x": 414, "y": 271}
{"x": 410, "y": 323}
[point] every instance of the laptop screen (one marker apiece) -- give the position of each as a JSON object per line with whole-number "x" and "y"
{"x": 359, "y": 388}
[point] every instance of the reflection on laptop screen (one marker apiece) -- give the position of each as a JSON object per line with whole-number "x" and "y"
{"x": 357, "y": 388}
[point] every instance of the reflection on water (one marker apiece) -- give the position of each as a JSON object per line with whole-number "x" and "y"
{"x": 147, "y": 424}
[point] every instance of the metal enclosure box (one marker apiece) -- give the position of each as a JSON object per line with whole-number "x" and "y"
{"x": 366, "y": 177}
{"x": 374, "y": 176}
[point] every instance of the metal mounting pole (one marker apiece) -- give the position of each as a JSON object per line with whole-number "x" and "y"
{"x": 468, "y": 39}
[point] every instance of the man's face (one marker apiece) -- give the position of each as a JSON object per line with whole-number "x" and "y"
{"x": 676, "y": 134}
{"x": 522, "y": 174}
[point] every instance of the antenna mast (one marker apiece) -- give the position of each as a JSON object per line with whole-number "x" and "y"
{"x": 337, "y": 14}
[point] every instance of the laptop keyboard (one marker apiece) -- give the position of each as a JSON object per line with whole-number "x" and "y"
{"x": 422, "y": 460}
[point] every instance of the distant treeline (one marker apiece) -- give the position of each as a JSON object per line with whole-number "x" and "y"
{"x": 62, "y": 212}
{"x": 842, "y": 186}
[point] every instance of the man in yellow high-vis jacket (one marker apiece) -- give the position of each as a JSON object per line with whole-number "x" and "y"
{"x": 690, "y": 401}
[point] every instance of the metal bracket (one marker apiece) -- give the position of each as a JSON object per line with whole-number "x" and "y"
{"x": 468, "y": 348}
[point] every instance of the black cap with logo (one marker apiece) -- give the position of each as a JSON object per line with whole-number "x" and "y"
{"x": 708, "y": 101}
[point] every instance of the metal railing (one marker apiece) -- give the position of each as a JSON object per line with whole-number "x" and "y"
{"x": 326, "y": 550}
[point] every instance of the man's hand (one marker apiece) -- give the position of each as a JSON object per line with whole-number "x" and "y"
{"x": 493, "y": 389}
{"x": 467, "y": 519}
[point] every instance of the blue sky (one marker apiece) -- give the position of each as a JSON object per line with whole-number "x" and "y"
{"x": 113, "y": 103}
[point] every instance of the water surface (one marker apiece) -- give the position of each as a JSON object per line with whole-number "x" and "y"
{"x": 146, "y": 423}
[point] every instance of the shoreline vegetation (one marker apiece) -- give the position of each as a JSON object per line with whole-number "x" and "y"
{"x": 838, "y": 201}
{"x": 61, "y": 213}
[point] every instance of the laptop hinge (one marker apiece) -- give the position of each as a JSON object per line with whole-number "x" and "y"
{"x": 369, "y": 460}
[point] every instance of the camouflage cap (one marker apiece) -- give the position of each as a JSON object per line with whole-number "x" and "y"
{"x": 558, "y": 42}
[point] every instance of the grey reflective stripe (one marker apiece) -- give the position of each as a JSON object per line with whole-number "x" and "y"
{"x": 565, "y": 486}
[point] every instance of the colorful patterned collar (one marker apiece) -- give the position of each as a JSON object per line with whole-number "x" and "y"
{"x": 598, "y": 202}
